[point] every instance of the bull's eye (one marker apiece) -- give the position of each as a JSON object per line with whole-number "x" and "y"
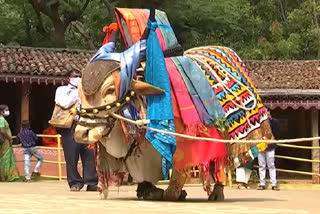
{"x": 109, "y": 91}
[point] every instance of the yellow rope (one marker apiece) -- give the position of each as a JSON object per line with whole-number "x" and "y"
{"x": 297, "y": 147}
{"x": 297, "y": 159}
{"x": 294, "y": 171}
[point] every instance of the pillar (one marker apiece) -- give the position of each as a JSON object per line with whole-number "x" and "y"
{"x": 25, "y": 92}
{"x": 315, "y": 143}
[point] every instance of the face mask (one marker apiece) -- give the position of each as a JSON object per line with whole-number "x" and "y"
{"x": 6, "y": 113}
{"x": 74, "y": 81}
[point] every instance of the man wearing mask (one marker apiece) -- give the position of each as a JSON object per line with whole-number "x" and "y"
{"x": 66, "y": 97}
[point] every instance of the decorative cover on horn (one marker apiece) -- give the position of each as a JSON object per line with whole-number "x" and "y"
{"x": 95, "y": 73}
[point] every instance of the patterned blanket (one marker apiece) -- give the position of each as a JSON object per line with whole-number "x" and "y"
{"x": 226, "y": 74}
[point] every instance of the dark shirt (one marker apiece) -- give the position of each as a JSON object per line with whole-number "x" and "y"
{"x": 274, "y": 123}
{"x": 27, "y": 138}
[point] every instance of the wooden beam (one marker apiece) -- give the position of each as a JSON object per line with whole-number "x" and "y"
{"x": 315, "y": 143}
{"x": 25, "y": 92}
{"x": 277, "y": 92}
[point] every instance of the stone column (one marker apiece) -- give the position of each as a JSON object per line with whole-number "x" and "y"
{"x": 315, "y": 143}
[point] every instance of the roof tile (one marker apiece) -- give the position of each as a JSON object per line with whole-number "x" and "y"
{"x": 299, "y": 74}
{"x": 42, "y": 61}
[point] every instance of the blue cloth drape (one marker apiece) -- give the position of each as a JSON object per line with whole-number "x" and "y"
{"x": 159, "y": 109}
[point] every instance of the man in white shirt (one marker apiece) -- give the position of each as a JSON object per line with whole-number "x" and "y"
{"x": 67, "y": 96}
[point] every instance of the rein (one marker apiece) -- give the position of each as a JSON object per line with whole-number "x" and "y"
{"x": 89, "y": 117}
{"x": 85, "y": 112}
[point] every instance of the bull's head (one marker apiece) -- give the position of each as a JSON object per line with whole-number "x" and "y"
{"x": 97, "y": 91}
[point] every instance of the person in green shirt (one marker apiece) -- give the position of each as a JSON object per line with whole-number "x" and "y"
{"x": 8, "y": 168}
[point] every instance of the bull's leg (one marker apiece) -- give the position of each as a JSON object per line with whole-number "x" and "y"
{"x": 174, "y": 191}
{"x": 103, "y": 190}
{"x": 107, "y": 170}
{"x": 217, "y": 193}
{"x": 103, "y": 186}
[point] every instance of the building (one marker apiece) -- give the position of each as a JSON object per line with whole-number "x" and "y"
{"x": 29, "y": 78}
{"x": 291, "y": 89}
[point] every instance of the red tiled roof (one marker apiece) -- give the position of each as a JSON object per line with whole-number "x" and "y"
{"x": 48, "y": 63}
{"x": 298, "y": 74}
{"x": 40, "y": 63}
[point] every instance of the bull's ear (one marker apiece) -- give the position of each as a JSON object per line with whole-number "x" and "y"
{"x": 143, "y": 88}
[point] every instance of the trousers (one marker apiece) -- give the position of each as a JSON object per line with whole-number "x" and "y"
{"x": 72, "y": 151}
{"x": 28, "y": 153}
{"x": 265, "y": 159}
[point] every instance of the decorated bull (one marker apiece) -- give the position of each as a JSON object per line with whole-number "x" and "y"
{"x": 202, "y": 92}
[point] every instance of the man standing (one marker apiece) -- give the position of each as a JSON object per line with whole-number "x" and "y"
{"x": 267, "y": 158}
{"x": 66, "y": 97}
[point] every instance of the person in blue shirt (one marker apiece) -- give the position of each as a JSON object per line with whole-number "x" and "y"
{"x": 28, "y": 140}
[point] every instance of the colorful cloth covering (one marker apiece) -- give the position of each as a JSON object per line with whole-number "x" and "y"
{"x": 189, "y": 153}
{"x": 242, "y": 124}
{"x": 197, "y": 152}
{"x": 235, "y": 90}
{"x": 200, "y": 91}
{"x": 230, "y": 69}
{"x": 159, "y": 109}
{"x": 132, "y": 23}
{"x": 187, "y": 110}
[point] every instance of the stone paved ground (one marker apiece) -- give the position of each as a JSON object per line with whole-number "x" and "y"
{"x": 53, "y": 197}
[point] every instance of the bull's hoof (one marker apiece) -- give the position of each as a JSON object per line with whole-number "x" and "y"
{"x": 104, "y": 194}
{"x": 156, "y": 194}
{"x": 217, "y": 193}
{"x": 183, "y": 195}
{"x": 170, "y": 195}
{"x": 148, "y": 191}
{"x": 143, "y": 188}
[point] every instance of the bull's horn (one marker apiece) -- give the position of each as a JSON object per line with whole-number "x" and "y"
{"x": 143, "y": 88}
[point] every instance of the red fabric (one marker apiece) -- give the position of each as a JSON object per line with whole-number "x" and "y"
{"x": 108, "y": 30}
{"x": 50, "y": 141}
{"x": 187, "y": 110}
{"x": 136, "y": 21}
{"x": 197, "y": 152}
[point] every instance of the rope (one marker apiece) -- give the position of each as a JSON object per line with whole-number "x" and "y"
{"x": 141, "y": 123}
{"x": 293, "y": 171}
{"x": 298, "y": 147}
{"x": 297, "y": 159}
